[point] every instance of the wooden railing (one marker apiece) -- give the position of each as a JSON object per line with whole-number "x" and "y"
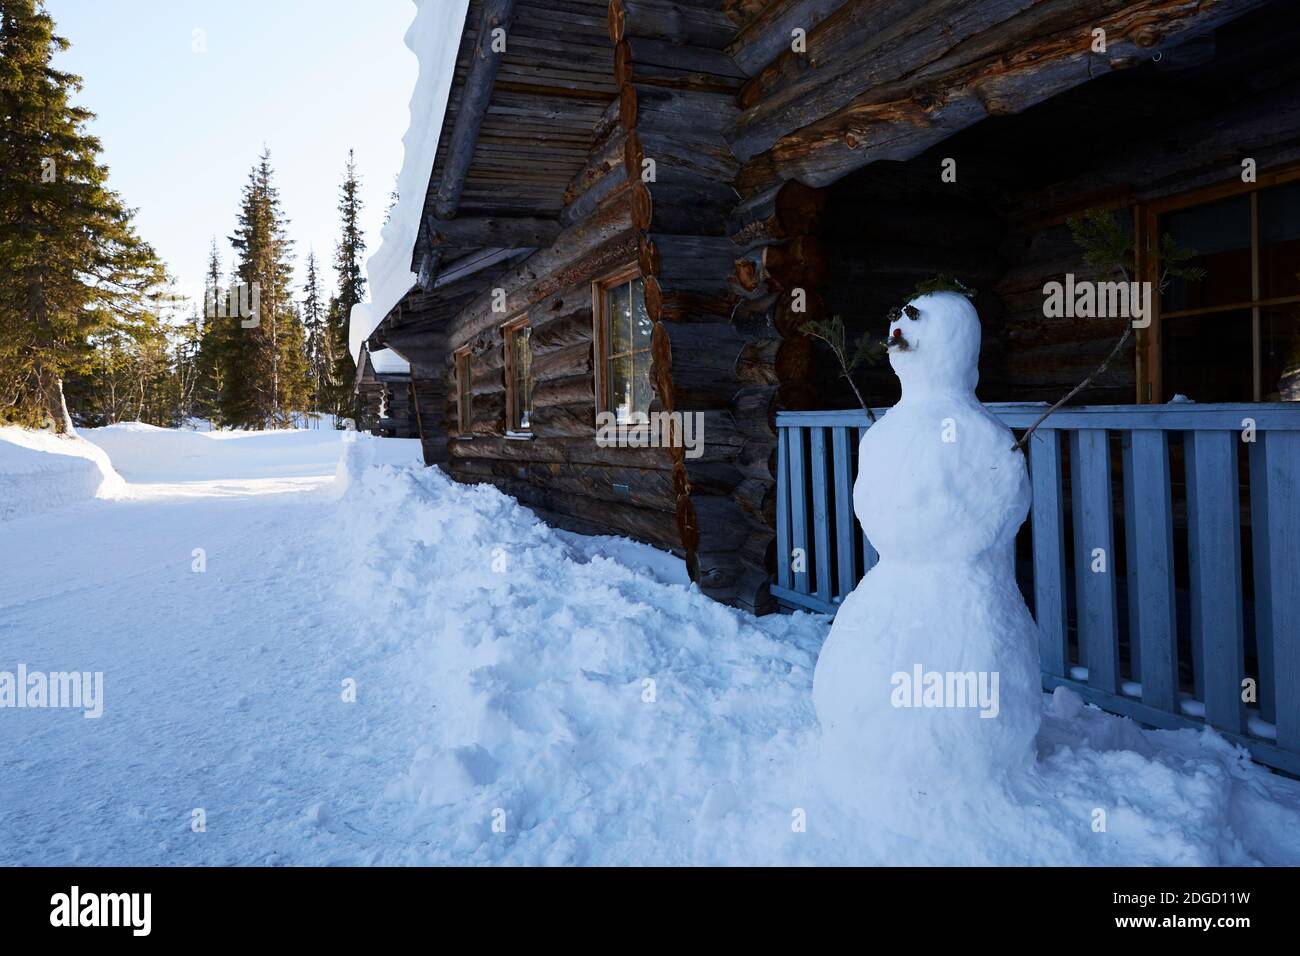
{"x": 1194, "y": 617}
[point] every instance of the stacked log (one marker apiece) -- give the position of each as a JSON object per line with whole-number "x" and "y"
{"x": 889, "y": 80}
{"x": 677, "y": 89}
{"x": 429, "y": 396}
{"x": 779, "y": 266}
{"x": 398, "y": 402}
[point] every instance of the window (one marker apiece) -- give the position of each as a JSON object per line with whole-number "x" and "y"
{"x": 464, "y": 395}
{"x": 622, "y": 336}
{"x": 1234, "y": 335}
{"x": 519, "y": 376}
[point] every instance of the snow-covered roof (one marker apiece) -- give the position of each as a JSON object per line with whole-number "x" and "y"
{"x": 383, "y": 361}
{"x": 434, "y": 38}
{"x": 388, "y": 362}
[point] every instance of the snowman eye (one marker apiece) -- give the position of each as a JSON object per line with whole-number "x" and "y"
{"x": 913, "y": 312}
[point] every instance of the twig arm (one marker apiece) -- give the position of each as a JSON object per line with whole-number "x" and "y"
{"x": 1023, "y": 442}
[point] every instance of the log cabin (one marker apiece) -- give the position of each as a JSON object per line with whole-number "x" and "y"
{"x": 385, "y": 400}
{"x": 635, "y": 206}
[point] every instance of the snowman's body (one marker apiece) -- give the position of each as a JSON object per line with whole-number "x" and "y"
{"x": 940, "y": 493}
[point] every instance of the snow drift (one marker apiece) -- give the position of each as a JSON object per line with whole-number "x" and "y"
{"x": 143, "y": 452}
{"x": 40, "y": 471}
{"x": 525, "y": 696}
{"x": 601, "y": 713}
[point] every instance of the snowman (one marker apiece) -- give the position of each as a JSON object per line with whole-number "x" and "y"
{"x": 929, "y": 680}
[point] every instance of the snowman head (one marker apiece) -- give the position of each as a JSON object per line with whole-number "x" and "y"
{"x": 934, "y": 345}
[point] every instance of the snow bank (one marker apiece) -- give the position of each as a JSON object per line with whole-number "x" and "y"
{"x": 145, "y": 453}
{"x": 361, "y": 451}
{"x": 602, "y": 713}
{"x": 602, "y": 709}
{"x": 40, "y": 471}
{"x": 434, "y": 38}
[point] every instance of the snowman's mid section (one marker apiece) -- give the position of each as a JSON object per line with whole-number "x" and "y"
{"x": 930, "y": 675}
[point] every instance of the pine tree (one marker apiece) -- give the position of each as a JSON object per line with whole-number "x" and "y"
{"x": 215, "y": 345}
{"x": 295, "y": 370}
{"x": 71, "y": 264}
{"x": 320, "y": 352}
{"x": 351, "y": 290}
{"x": 187, "y": 343}
{"x": 266, "y": 378}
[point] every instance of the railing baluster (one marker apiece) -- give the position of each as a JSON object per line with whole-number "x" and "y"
{"x": 1282, "y": 454}
{"x": 822, "y": 570}
{"x": 1048, "y": 521}
{"x": 1094, "y": 556}
{"x": 1149, "y": 514}
{"x": 784, "y": 484}
{"x": 842, "y": 447}
{"x": 799, "y": 510}
{"x": 1130, "y": 559}
{"x": 1261, "y": 536}
{"x": 1214, "y": 542}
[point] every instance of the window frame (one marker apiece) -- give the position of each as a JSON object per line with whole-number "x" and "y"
{"x": 1150, "y": 345}
{"x": 509, "y": 329}
{"x": 464, "y": 393}
{"x": 600, "y": 289}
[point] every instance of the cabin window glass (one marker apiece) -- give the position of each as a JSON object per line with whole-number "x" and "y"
{"x": 1219, "y": 234}
{"x": 1279, "y": 241}
{"x": 1234, "y": 335}
{"x": 625, "y": 328}
{"x": 519, "y": 376}
{"x": 464, "y": 419}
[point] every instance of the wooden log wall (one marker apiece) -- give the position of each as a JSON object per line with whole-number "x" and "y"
{"x": 561, "y": 472}
{"x": 849, "y": 99}
{"x": 400, "y": 422}
{"x": 677, "y": 89}
{"x": 888, "y": 228}
{"x": 1042, "y": 358}
{"x": 778, "y": 276}
{"x": 369, "y": 399}
{"x": 429, "y": 404}
{"x": 737, "y": 257}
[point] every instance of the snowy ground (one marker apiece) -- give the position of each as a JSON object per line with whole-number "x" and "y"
{"x": 575, "y": 692}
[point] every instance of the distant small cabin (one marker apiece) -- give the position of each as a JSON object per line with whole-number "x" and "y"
{"x": 637, "y": 205}
{"x": 385, "y": 399}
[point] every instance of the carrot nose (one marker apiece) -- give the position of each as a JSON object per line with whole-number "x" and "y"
{"x": 898, "y": 333}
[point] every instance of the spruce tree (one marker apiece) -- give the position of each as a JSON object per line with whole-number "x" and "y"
{"x": 320, "y": 352}
{"x": 351, "y": 290}
{"x": 187, "y": 347}
{"x": 71, "y": 264}
{"x": 266, "y": 378}
{"x": 214, "y": 356}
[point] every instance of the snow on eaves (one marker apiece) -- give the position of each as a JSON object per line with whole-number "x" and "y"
{"x": 388, "y": 362}
{"x": 361, "y": 324}
{"x": 434, "y": 37}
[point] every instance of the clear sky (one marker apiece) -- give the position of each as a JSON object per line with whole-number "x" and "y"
{"x": 183, "y": 115}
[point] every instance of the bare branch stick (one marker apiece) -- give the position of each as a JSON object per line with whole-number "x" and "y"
{"x": 1024, "y": 439}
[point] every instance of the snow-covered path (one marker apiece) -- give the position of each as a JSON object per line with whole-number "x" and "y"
{"x": 222, "y": 688}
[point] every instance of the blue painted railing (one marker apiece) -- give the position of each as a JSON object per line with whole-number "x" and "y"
{"x": 1201, "y": 592}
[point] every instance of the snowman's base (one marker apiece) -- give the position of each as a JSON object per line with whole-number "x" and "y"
{"x": 929, "y": 678}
